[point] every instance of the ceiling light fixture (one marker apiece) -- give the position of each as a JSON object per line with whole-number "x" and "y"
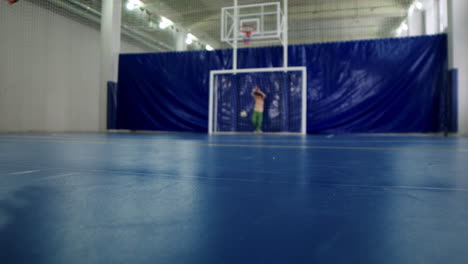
{"x": 418, "y": 5}
{"x": 404, "y": 26}
{"x": 190, "y": 38}
{"x": 132, "y": 4}
{"x": 165, "y": 23}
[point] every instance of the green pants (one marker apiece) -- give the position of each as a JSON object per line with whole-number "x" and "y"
{"x": 257, "y": 119}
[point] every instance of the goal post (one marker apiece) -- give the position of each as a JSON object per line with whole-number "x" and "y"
{"x": 231, "y": 105}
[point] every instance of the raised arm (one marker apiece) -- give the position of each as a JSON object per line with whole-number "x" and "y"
{"x": 255, "y": 90}
{"x": 262, "y": 93}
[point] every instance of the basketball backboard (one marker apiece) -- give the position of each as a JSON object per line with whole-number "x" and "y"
{"x": 265, "y": 20}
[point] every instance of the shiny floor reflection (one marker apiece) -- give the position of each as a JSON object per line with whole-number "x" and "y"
{"x": 187, "y": 198}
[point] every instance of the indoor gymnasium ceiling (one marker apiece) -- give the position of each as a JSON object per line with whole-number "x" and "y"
{"x": 310, "y": 21}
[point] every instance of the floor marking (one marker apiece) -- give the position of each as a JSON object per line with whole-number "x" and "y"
{"x": 239, "y": 145}
{"x": 38, "y": 180}
{"x": 24, "y": 172}
{"x": 347, "y": 140}
{"x": 177, "y": 177}
{"x": 398, "y": 187}
{"x": 331, "y": 147}
{"x": 55, "y": 176}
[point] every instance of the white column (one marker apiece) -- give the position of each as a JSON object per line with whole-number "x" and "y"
{"x": 443, "y": 13}
{"x": 110, "y": 49}
{"x": 286, "y": 35}
{"x": 458, "y": 56}
{"x": 236, "y": 34}
{"x": 430, "y": 17}
{"x": 180, "y": 39}
{"x": 416, "y": 23}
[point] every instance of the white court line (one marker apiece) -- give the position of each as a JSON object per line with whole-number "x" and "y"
{"x": 320, "y": 147}
{"x": 317, "y": 140}
{"x": 39, "y": 180}
{"x": 23, "y": 172}
{"x": 396, "y": 187}
{"x": 178, "y": 177}
{"x": 56, "y": 176}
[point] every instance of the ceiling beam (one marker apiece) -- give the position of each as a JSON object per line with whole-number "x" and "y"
{"x": 331, "y": 13}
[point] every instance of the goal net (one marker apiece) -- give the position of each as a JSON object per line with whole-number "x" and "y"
{"x": 232, "y": 105}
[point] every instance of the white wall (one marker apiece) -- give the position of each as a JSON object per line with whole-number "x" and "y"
{"x": 458, "y": 43}
{"x": 126, "y": 47}
{"x": 443, "y": 15}
{"x": 49, "y": 71}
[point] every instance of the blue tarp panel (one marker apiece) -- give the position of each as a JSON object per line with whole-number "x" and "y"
{"x": 111, "y": 105}
{"x": 372, "y": 86}
{"x": 452, "y": 103}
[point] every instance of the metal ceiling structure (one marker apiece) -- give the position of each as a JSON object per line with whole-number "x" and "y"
{"x": 310, "y": 21}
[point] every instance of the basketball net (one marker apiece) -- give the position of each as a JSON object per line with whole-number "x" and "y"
{"x": 248, "y": 31}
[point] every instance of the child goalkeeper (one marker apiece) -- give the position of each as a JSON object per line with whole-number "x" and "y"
{"x": 257, "y": 117}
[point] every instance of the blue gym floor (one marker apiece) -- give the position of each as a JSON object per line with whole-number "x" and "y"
{"x": 189, "y": 198}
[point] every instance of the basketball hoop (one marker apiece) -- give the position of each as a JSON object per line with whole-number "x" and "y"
{"x": 248, "y": 31}
{"x": 10, "y": 2}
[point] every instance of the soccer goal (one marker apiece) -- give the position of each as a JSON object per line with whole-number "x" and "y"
{"x": 231, "y": 104}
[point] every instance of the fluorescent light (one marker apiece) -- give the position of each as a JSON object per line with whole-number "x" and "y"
{"x": 209, "y": 48}
{"x": 132, "y": 4}
{"x": 411, "y": 10}
{"x": 418, "y": 5}
{"x": 404, "y": 26}
{"x": 165, "y": 23}
{"x": 190, "y": 38}
{"x": 401, "y": 28}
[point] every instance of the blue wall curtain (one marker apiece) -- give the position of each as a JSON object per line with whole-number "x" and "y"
{"x": 372, "y": 86}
